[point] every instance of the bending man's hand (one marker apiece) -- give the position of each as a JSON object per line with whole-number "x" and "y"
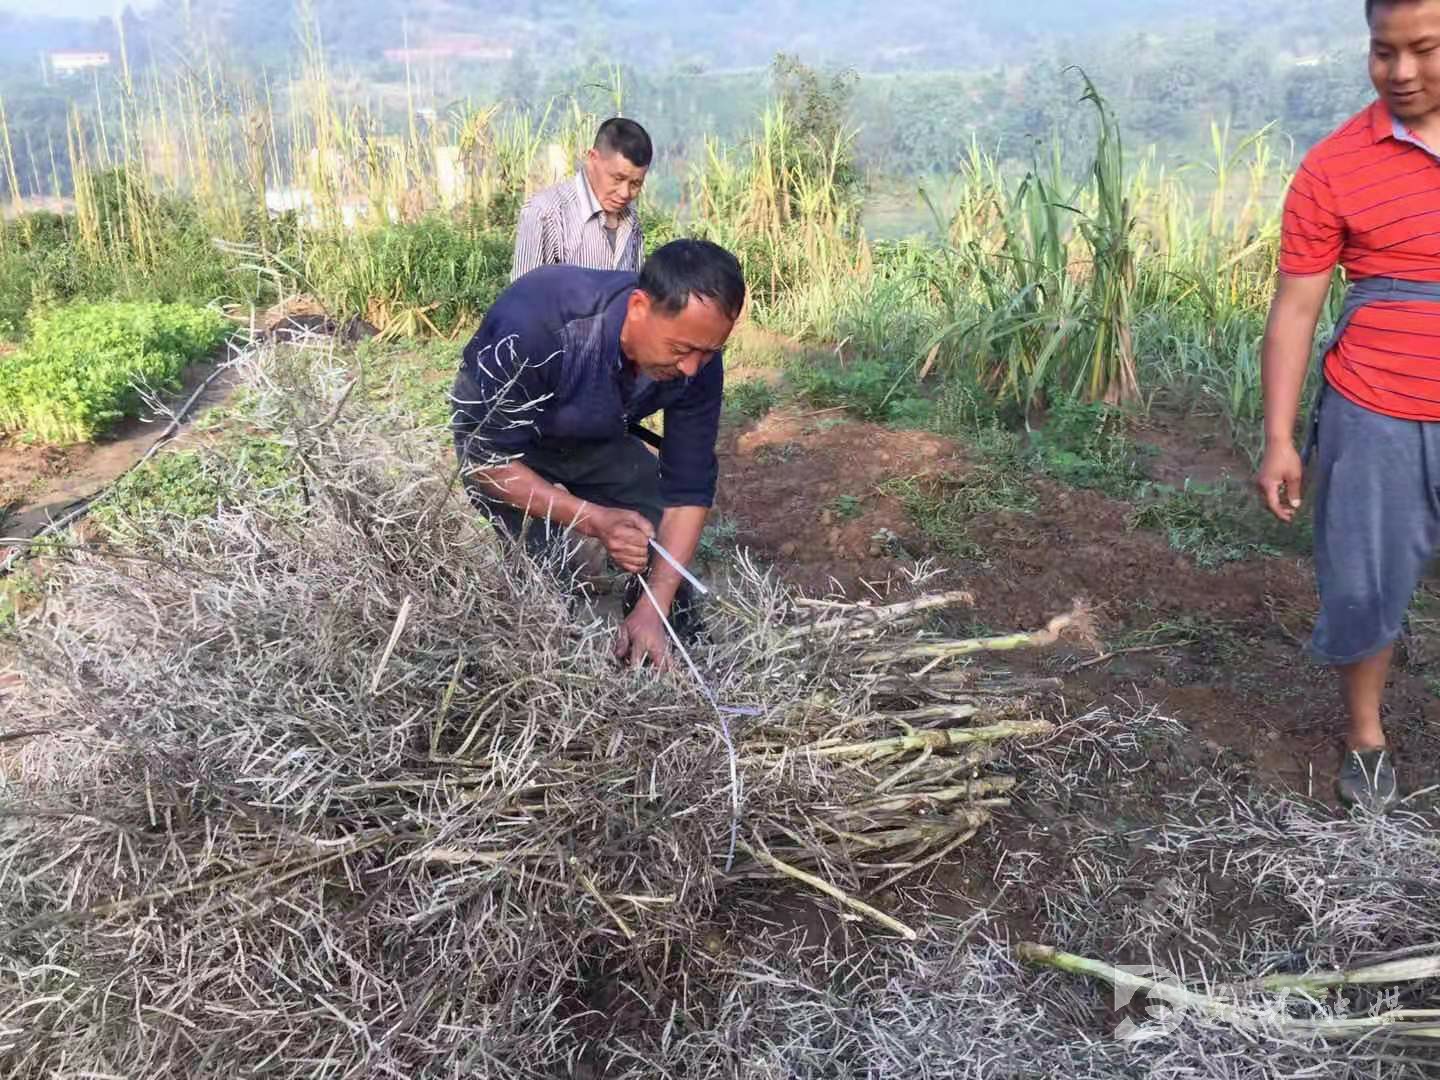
{"x": 643, "y": 637}
{"x": 625, "y": 534}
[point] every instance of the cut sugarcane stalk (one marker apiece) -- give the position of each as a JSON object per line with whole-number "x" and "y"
{"x": 937, "y": 740}
{"x": 1416, "y": 969}
{"x": 1408, "y": 1022}
{"x": 760, "y": 855}
{"x": 867, "y": 618}
{"x": 1076, "y": 624}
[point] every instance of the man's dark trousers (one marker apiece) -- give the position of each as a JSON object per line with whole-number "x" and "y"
{"x": 618, "y": 473}
{"x": 621, "y": 474}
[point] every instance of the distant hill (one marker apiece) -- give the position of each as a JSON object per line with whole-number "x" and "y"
{"x": 898, "y": 35}
{"x": 936, "y": 74}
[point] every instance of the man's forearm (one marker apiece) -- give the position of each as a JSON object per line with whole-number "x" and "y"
{"x": 680, "y": 530}
{"x": 1285, "y": 355}
{"x": 522, "y": 487}
{"x": 1284, "y": 363}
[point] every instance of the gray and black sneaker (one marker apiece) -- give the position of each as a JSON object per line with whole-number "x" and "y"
{"x": 1367, "y": 780}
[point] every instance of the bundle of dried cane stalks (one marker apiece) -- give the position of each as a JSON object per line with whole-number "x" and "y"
{"x": 327, "y": 785}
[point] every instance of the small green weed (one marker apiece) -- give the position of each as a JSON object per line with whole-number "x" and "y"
{"x": 750, "y": 399}
{"x": 18, "y": 593}
{"x": 188, "y": 485}
{"x": 846, "y": 507}
{"x": 1213, "y": 524}
{"x": 717, "y": 542}
{"x": 777, "y": 454}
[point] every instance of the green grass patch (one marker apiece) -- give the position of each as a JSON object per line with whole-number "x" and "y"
{"x": 1087, "y": 446}
{"x": 412, "y": 377}
{"x": 939, "y": 516}
{"x": 45, "y": 260}
{"x": 945, "y": 510}
{"x": 871, "y": 389}
{"x": 86, "y": 367}
{"x": 1084, "y": 446}
{"x": 846, "y": 507}
{"x": 183, "y": 486}
{"x": 1214, "y": 524}
{"x": 750, "y": 399}
{"x": 434, "y": 276}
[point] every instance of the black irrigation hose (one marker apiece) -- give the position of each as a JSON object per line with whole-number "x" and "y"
{"x": 27, "y": 544}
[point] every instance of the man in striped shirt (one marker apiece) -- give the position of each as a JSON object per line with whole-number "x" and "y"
{"x": 590, "y": 219}
{"x": 1367, "y": 198}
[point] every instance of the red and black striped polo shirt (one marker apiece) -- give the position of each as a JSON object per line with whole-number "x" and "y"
{"x": 1368, "y": 198}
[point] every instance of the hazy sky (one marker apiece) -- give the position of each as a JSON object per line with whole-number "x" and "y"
{"x": 68, "y": 7}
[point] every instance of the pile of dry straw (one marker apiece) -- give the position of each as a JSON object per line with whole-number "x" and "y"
{"x": 332, "y": 786}
{"x": 325, "y": 786}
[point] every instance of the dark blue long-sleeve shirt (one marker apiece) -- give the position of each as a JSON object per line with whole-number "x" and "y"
{"x": 546, "y": 364}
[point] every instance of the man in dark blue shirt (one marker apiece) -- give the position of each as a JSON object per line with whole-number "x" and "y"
{"x": 564, "y": 363}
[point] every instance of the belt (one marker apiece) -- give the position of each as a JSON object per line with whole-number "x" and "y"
{"x": 645, "y": 435}
{"x": 1361, "y": 294}
{"x": 1379, "y": 290}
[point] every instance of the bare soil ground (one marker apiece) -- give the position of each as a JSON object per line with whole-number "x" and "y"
{"x": 1238, "y": 676}
{"x": 808, "y": 492}
{"x": 1253, "y": 712}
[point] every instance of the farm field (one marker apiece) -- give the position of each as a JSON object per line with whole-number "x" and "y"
{"x": 300, "y": 776}
{"x": 1176, "y": 817}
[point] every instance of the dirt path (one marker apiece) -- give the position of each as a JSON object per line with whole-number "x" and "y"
{"x": 815, "y": 495}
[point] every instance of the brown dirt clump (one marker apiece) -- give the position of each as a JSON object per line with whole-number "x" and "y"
{"x": 27, "y": 469}
{"x": 808, "y": 491}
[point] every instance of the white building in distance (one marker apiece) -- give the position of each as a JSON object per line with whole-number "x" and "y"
{"x": 65, "y": 63}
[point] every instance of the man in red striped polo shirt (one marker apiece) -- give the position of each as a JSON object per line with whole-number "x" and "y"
{"x": 1367, "y": 199}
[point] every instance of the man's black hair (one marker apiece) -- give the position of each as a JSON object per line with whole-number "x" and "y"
{"x": 685, "y": 268}
{"x": 626, "y": 138}
{"x": 1371, "y": 5}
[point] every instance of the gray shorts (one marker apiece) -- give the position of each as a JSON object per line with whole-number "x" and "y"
{"x": 1374, "y": 483}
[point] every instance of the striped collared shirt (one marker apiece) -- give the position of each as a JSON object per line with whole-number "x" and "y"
{"x": 565, "y": 224}
{"x": 1368, "y": 198}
